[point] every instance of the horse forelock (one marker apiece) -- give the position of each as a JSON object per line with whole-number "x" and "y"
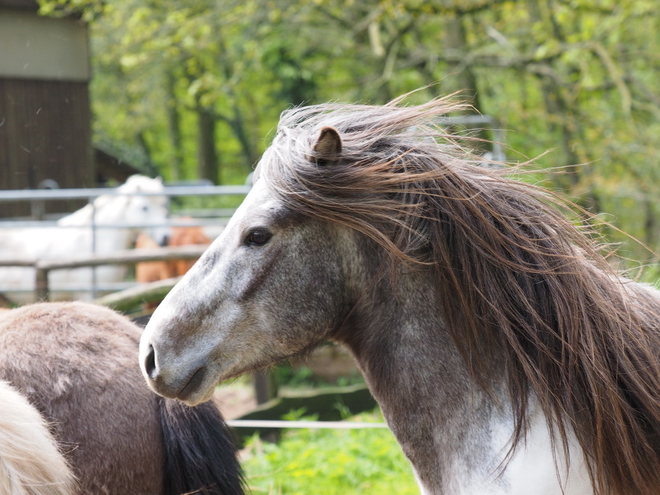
{"x": 526, "y": 294}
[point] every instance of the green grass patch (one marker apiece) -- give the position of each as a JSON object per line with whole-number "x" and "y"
{"x": 329, "y": 462}
{"x": 296, "y": 377}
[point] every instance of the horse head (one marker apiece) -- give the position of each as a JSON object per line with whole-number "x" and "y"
{"x": 142, "y": 205}
{"x": 273, "y": 285}
{"x": 496, "y": 305}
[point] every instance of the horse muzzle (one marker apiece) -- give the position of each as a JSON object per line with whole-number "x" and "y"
{"x": 181, "y": 386}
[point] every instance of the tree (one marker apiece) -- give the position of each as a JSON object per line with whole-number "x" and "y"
{"x": 576, "y": 77}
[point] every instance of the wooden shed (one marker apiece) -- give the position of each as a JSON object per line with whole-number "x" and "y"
{"x": 45, "y": 128}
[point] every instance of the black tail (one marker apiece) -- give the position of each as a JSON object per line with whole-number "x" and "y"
{"x": 200, "y": 456}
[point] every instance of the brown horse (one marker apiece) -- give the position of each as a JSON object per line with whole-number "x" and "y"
{"x": 185, "y": 236}
{"x": 507, "y": 355}
{"x": 152, "y": 271}
{"x": 77, "y": 364}
{"x": 30, "y": 462}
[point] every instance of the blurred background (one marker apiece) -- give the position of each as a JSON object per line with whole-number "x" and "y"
{"x": 193, "y": 89}
{"x": 93, "y": 91}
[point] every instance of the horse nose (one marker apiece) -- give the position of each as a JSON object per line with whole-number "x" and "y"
{"x": 150, "y": 363}
{"x": 164, "y": 383}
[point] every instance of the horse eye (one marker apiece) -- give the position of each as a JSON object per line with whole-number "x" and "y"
{"x": 258, "y": 237}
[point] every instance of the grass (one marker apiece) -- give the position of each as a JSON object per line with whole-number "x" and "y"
{"x": 329, "y": 462}
{"x": 301, "y": 376}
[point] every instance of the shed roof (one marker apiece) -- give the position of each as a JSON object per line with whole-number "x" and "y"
{"x": 20, "y": 4}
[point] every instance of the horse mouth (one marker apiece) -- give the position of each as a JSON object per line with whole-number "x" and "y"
{"x": 192, "y": 385}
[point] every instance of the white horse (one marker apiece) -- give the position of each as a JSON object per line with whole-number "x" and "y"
{"x": 30, "y": 462}
{"x": 84, "y": 232}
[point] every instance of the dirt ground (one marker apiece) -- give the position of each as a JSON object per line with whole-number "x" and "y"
{"x": 235, "y": 400}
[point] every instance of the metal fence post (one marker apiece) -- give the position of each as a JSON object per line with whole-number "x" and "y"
{"x": 93, "y": 226}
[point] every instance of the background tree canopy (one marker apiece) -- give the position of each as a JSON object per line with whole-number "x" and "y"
{"x": 195, "y": 87}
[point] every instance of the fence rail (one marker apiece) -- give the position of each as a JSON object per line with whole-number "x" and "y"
{"x": 214, "y": 218}
{"x": 9, "y": 195}
{"x": 127, "y": 257}
{"x": 286, "y": 424}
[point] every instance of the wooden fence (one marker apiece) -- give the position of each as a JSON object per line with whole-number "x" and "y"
{"x": 127, "y": 257}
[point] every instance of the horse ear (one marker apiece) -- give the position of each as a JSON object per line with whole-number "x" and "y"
{"x": 327, "y": 148}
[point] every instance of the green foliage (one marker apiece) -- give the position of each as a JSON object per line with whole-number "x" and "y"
{"x": 303, "y": 377}
{"x": 652, "y": 275}
{"x": 329, "y": 462}
{"x": 576, "y": 77}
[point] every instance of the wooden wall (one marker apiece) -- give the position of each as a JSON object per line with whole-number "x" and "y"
{"x": 45, "y": 122}
{"x": 20, "y": 4}
{"x": 44, "y": 134}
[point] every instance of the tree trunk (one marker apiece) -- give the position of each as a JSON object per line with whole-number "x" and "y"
{"x": 174, "y": 128}
{"x": 238, "y": 126}
{"x": 236, "y": 123}
{"x": 462, "y": 76}
{"x": 144, "y": 145}
{"x": 563, "y": 123}
{"x": 207, "y": 153}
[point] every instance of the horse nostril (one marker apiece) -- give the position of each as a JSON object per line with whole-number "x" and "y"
{"x": 150, "y": 363}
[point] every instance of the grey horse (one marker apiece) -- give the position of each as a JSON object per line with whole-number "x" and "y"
{"x": 507, "y": 355}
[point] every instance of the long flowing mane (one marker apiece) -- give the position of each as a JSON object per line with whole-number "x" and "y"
{"x": 526, "y": 294}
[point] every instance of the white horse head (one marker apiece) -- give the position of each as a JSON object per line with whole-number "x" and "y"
{"x": 138, "y": 205}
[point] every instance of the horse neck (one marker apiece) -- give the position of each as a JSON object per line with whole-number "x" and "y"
{"x": 434, "y": 408}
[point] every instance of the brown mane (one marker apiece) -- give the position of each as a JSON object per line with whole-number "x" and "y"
{"x": 526, "y": 293}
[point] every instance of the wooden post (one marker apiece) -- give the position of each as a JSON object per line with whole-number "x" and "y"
{"x": 41, "y": 283}
{"x": 265, "y": 385}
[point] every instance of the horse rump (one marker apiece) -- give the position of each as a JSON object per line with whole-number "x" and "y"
{"x": 200, "y": 456}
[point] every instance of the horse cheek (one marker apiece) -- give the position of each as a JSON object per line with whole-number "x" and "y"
{"x": 306, "y": 300}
